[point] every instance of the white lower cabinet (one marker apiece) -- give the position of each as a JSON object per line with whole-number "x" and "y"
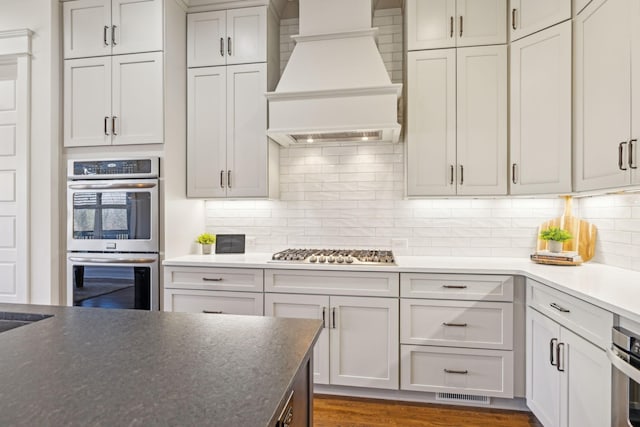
{"x": 452, "y": 370}
{"x": 359, "y": 343}
{"x": 214, "y": 290}
{"x": 568, "y": 378}
{"x": 213, "y": 302}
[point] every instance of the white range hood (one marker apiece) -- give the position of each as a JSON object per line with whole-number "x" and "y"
{"x": 335, "y": 86}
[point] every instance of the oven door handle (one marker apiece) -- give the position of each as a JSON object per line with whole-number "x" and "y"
{"x": 88, "y": 260}
{"x": 623, "y": 366}
{"x": 130, "y": 185}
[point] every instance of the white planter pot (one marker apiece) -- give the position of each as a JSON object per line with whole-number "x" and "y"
{"x": 206, "y": 249}
{"x": 554, "y": 246}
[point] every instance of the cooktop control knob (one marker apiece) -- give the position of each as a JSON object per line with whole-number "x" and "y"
{"x": 331, "y": 259}
{"x": 340, "y": 260}
{"x": 313, "y": 258}
{"x": 349, "y": 260}
{"x": 322, "y": 259}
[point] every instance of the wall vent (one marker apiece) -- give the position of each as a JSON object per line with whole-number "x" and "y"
{"x": 463, "y": 398}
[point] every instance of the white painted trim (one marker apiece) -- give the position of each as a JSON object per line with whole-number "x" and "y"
{"x": 15, "y": 42}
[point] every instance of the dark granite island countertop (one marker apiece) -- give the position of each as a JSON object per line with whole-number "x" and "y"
{"x": 87, "y": 366}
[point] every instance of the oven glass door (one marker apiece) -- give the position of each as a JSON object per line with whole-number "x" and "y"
{"x": 128, "y": 281}
{"x": 634, "y": 395}
{"x": 113, "y": 216}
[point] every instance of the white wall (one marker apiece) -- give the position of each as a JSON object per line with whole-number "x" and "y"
{"x": 42, "y": 17}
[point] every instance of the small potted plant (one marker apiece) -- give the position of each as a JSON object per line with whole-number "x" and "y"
{"x": 555, "y": 236}
{"x": 206, "y": 240}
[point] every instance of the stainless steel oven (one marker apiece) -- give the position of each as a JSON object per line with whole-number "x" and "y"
{"x": 112, "y": 205}
{"x": 625, "y": 358}
{"x": 113, "y": 280}
{"x": 112, "y": 233}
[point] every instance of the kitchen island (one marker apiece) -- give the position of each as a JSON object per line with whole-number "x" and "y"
{"x": 87, "y": 366}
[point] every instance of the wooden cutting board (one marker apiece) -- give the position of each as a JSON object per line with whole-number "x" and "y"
{"x": 583, "y": 232}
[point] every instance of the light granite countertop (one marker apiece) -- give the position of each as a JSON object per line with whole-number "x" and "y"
{"x": 101, "y": 367}
{"x": 614, "y": 289}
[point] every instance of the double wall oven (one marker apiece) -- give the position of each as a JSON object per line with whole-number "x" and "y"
{"x": 112, "y": 233}
{"x": 625, "y": 358}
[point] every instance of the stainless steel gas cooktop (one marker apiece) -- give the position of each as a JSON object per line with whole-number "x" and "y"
{"x": 335, "y": 256}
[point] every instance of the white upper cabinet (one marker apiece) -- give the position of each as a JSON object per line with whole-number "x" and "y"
{"x": 105, "y": 27}
{"x": 457, "y": 121}
{"x": 227, "y": 146}
{"x": 541, "y": 112}
{"x": 605, "y": 148}
{"x": 235, "y": 36}
{"x": 113, "y": 100}
{"x": 528, "y": 16}
{"x": 634, "y": 158}
{"x": 450, "y": 23}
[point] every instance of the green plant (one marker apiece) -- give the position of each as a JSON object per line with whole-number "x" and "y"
{"x": 555, "y": 233}
{"x": 206, "y": 239}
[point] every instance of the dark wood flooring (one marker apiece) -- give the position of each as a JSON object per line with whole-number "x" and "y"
{"x": 337, "y": 411}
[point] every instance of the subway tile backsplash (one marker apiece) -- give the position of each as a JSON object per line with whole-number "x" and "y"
{"x": 353, "y": 196}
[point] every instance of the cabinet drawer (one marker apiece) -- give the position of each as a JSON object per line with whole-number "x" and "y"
{"x": 213, "y": 302}
{"x": 220, "y": 279}
{"x": 457, "y": 286}
{"x": 365, "y": 283}
{"x": 585, "y": 319}
{"x": 457, "y": 370}
{"x": 457, "y": 323}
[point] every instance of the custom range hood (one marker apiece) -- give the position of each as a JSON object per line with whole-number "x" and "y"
{"x": 335, "y": 86}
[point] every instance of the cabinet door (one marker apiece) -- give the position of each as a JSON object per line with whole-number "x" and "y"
{"x": 482, "y": 120}
{"x": 213, "y": 302}
{"x": 206, "y": 131}
{"x": 138, "y": 99}
{"x": 602, "y": 95}
{"x": 431, "y": 128}
{"x": 87, "y": 28}
{"x": 247, "y": 35}
{"x": 585, "y": 383}
{"x": 137, "y": 26}
{"x": 87, "y": 102}
{"x": 364, "y": 342}
{"x": 543, "y": 379}
{"x": 634, "y": 159}
{"x": 430, "y": 24}
{"x": 247, "y": 143}
{"x": 529, "y": 16}
{"x": 541, "y": 112}
{"x": 481, "y": 22}
{"x": 206, "y": 38}
{"x": 305, "y": 307}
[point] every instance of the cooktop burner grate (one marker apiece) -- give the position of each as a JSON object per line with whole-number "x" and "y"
{"x": 336, "y": 256}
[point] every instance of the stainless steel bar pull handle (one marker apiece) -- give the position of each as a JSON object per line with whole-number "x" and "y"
{"x": 324, "y": 317}
{"x": 513, "y": 174}
{"x": 106, "y": 120}
{"x": 221, "y": 46}
{"x": 213, "y": 311}
{"x": 228, "y": 179}
{"x": 560, "y": 357}
{"x": 457, "y": 325}
{"x": 455, "y": 286}
{"x": 451, "y": 27}
{"x": 620, "y": 151}
{"x": 113, "y": 35}
{"x": 461, "y": 26}
{"x": 560, "y": 308}
{"x": 333, "y": 317}
{"x": 221, "y": 179}
{"x": 113, "y": 125}
{"x": 452, "y": 171}
{"x": 454, "y": 371}
{"x": 461, "y": 174}
{"x": 104, "y": 35}
{"x": 552, "y": 345}
{"x": 229, "y": 46}
{"x": 632, "y": 163}
{"x": 513, "y": 18}
{"x": 209, "y": 279}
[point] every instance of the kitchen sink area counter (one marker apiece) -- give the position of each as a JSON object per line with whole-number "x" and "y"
{"x": 87, "y": 366}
